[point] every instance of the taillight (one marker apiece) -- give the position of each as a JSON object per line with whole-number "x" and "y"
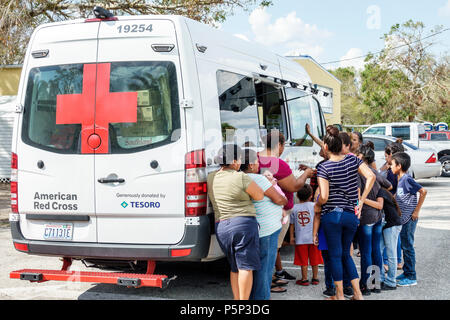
{"x": 21, "y": 246}
{"x": 195, "y": 184}
{"x": 432, "y": 159}
{"x": 180, "y": 252}
{"x": 14, "y": 184}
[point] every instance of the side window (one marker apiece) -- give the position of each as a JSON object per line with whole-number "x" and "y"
{"x": 379, "y": 144}
{"x": 298, "y": 102}
{"x": 401, "y": 132}
{"x": 238, "y": 109}
{"x": 319, "y": 116}
{"x": 270, "y": 108}
{"x": 376, "y": 130}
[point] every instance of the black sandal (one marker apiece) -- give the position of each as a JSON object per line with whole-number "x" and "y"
{"x": 279, "y": 282}
{"x": 280, "y": 289}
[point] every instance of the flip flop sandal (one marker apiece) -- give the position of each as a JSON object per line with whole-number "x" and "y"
{"x": 315, "y": 281}
{"x": 277, "y": 289}
{"x": 302, "y": 282}
{"x": 279, "y": 282}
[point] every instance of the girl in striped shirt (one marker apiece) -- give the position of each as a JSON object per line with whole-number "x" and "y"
{"x": 340, "y": 208}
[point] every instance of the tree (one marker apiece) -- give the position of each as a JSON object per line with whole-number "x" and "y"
{"x": 353, "y": 111}
{"x": 405, "y": 82}
{"x": 18, "y": 18}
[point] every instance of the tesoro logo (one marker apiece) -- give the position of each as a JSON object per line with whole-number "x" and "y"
{"x": 141, "y": 204}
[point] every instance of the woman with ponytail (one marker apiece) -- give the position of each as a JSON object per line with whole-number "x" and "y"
{"x": 339, "y": 208}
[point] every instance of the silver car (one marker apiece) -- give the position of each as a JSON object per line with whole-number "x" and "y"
{"x": 424, "y": 163}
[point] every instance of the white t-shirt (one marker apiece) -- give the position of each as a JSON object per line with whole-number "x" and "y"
{"x": 302, "y": 218}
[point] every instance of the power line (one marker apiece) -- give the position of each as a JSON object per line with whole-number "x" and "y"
{"x": 403, "y": 45}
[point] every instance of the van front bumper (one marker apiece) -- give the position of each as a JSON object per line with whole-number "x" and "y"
{"x": 194, "y": 246}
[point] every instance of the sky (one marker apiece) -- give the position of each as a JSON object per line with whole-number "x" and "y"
{"x": 330, "y": 30}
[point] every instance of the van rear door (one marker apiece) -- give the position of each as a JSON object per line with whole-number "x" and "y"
{"x": 55, "y": 179}
{"x": 139, "y": 164}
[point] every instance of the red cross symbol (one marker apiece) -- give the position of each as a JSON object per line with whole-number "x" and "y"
{"x": 95, "y": 108}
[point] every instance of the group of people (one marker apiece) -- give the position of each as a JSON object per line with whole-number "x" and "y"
{"x": 347, "y": 203}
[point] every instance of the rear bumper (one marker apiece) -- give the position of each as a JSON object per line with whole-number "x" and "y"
{"x": 196, "y": 238}
{"x": 428, "y": 170}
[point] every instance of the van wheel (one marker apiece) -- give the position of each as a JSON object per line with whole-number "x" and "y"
{"x": 445, "y": 161}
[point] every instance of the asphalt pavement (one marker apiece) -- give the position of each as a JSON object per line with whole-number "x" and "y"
{"x": 209, "y": 281}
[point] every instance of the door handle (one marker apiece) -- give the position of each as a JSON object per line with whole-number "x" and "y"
{"x": 314, "y": 153}
{"x": 106, "y": 180}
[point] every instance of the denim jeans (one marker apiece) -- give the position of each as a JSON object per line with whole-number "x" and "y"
{"x": 389, "y": 243}
{"x": 329, "y": 283}
{"x": 262, "y": 278}
{"x": 339, "y": 228}
{"x": 369, "y": 237}
{"x": 399, "y": 252}
{"x": 409, "y": 255}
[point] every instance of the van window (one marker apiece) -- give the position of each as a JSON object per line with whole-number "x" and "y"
{"x": 270, "y": 108}
{"x": 376, "y": 130}
{"x": 238, "y": 109}
{"x": 158, "y": 111}
{"x": 39, "y": 118}
{"x": 401, "y": 132}
{"x": 319, "y": 116}
{"x": 299, "y": 115}
{"x": 158, "y": 114}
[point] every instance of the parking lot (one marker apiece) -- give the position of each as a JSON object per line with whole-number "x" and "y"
{"x": 209, "y": 281}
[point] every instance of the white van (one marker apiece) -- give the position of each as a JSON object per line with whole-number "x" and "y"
{"x": 410, "y": 132}
{"x": 118, "y": 122}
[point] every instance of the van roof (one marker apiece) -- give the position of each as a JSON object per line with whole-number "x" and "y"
{"x": 250, "y": 48}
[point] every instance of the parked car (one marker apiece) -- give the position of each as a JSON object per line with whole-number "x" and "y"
{"x": 424, "y": 162}
{"x": 410, "y": 132}
{"x": 439, "y": 141}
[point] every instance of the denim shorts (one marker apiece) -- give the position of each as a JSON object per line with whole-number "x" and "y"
{"x": 239, "y": 240}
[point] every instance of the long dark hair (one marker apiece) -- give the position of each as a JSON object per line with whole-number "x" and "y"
{"x": 392, "y": 198}
{"x": 272, "y": 138}
{"x": 394, "y": 147}
{"x": 249, "y": 157}
{"x": 366, "y": 150}
{"x": 332, "y": 140}
{"x": 227, "y": 154}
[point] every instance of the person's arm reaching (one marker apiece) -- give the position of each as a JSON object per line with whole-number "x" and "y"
{"x": 292, "y": 184}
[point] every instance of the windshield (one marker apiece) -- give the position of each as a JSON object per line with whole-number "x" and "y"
{"x": 157, "y": 112}
{"x": 410, "y": 145}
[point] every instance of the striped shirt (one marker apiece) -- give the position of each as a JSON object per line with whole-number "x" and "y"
{"x": 406, "y": 197}
{"x": 268, "y": 214}
{"x": 342, "y": 177}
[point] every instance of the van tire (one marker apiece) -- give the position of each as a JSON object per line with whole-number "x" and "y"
{"x": 445, "y": 161}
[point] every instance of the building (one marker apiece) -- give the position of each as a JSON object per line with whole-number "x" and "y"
{"x": 9, "y": 83}
{"x": 326, "y": 82}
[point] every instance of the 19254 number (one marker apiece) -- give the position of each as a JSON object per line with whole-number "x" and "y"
{"x": 135, "y": 28}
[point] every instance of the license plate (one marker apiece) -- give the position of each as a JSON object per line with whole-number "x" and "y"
{"x": 58, "y": 231}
